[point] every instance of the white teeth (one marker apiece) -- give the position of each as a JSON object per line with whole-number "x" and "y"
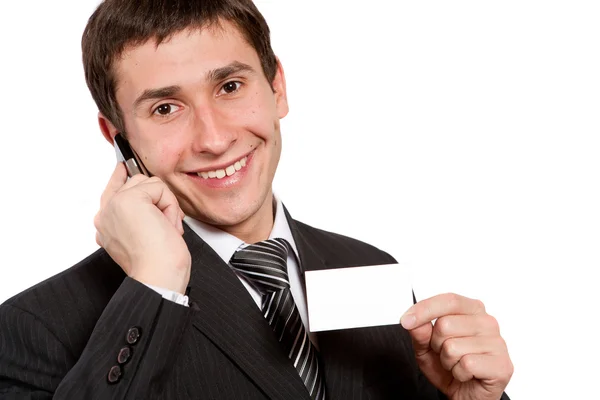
{"x": 221, "y": 173}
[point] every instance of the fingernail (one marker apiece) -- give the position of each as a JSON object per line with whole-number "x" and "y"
{"x": 408, "y": 321}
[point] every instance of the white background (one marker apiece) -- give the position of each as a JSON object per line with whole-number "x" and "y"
{"x": 462, "y": 137}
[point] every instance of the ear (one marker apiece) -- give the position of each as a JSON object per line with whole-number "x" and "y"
{"x": 279, "y": 89}
{"x": 108, "y": 129}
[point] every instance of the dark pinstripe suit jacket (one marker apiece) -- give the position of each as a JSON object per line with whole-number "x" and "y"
{"x": 60, "y": 338}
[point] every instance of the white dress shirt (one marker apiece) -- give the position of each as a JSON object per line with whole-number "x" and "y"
{"x": 225, "y": 244}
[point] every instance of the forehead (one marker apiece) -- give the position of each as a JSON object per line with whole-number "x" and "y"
{"x": 183, "y": 57}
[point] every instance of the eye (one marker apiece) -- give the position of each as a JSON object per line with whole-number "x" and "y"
{"x": 230, "y": 87}
{"x": 165, "y": 109}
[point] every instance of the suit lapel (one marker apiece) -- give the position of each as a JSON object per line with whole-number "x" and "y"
{"x": 225, "y": 312}
{"x": 343, "y": 375}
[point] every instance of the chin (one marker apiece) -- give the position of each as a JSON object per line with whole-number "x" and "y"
{"x": 226, "y": 215}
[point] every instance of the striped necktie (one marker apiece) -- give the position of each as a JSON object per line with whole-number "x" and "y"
{"x": 264, "y": 265}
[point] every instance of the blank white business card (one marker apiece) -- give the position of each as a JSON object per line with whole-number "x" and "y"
{"x": 356, "y": 297}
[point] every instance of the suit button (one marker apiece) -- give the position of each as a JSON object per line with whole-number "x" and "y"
{"x": 124, "y": 355}
{"x": 133, "y": 335}
{"x": 114, "y": 374}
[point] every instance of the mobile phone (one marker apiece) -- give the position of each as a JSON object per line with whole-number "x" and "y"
{"x": 127, "y": 155}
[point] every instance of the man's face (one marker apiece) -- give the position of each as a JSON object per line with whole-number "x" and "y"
{"x": 201, "y": 114}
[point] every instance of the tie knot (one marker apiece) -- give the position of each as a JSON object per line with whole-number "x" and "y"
{"x": 264, "y": 264}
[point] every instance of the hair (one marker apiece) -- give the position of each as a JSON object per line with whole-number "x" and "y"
{"x": 119, "y": 24}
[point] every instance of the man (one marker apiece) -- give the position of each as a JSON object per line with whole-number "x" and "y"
{"x": 210, "y": 308}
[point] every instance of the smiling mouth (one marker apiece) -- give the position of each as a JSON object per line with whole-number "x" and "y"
{"x": 222, "y": 173}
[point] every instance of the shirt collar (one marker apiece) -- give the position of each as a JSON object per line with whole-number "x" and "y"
{"x": 225, "y": 244}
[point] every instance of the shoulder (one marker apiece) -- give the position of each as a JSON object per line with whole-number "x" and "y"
{"x": 340, "y": 250}
{"x": 73, "y": 300}
{"x": 92, "y": 277}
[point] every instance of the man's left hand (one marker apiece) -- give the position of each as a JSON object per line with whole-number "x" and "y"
{"x": 462, "y": 353}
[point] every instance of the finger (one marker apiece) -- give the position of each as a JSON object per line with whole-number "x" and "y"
{"x": 172, "y": 214}
{"x": 438, "y": 306}
{"x": 427, "y": 359}
{"x": 421, "y": 338}
{"x": 452, "y": 326}
{"x": 134, "y": 181}
{"x": 453, "y": 350}
{"x": 180, "y": 222}
{"x": 117, "y": 179}
{"x": 162, "y": 197}
{"x": 495, "y": 368}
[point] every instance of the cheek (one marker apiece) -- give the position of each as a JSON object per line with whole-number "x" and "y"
{"x": 162, "y": 157}
{"x": 162, "y": 146}
{"x": 260, "y": 118}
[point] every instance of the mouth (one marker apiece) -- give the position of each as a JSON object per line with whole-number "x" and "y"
{"x": 227, "y": 171}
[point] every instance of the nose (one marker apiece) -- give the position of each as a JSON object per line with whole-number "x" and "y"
{"x": 213, "y": 134}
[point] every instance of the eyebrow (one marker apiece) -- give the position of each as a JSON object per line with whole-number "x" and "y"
{"x": 214, "y": 75}
{"x": 149, "y": 94}
{"x": 222, "y": 73}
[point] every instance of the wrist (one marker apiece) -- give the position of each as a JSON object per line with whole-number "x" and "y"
{"x": 174, "y": 279}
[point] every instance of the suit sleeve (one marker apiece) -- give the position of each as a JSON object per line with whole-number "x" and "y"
{"x": 128, "y": 355}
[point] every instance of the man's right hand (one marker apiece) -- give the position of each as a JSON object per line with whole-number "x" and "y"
{"x": 139, "y": 224}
